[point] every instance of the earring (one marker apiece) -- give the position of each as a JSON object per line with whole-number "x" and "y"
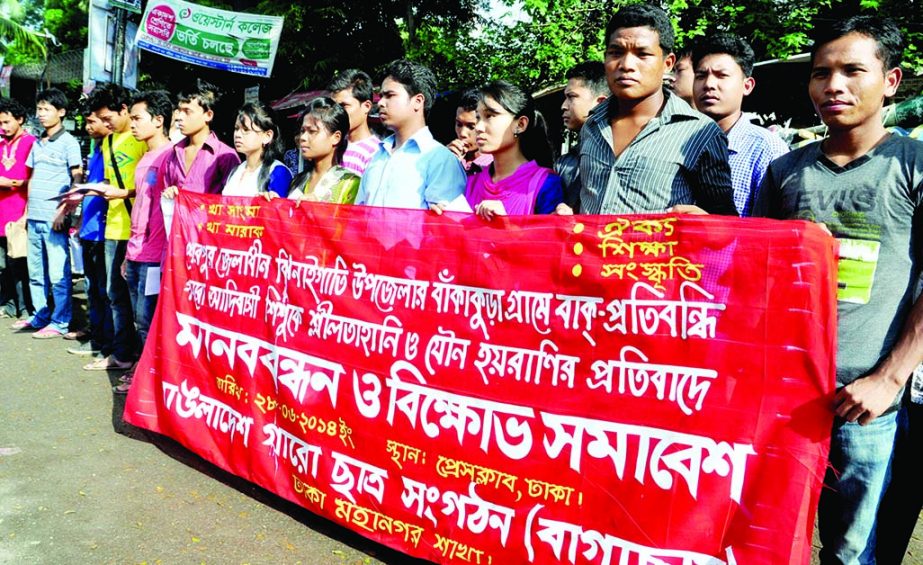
{"x": 516, "y": 133}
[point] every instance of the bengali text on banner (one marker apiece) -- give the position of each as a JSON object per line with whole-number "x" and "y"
{"x": 230, "y": 41}
{"x": 585, "y": 389}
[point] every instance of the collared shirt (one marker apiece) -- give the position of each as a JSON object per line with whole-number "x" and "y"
{"x": 418, "y": 173}
{"x": 679, "y": 157}
{"x": 128, "y": 151}
{"x": 568, "y": 168}
{"x": 210, "y": 168}
{"x": 13, "y": 166}
{"x": 93, "y": 208}
{"x": 278, "y": 179}
{"x": 478, "y": 164}
{"x": 148, "y": 236}
{"x": 750, "y": 150}
{"x": 358, "y": 154}
{"x": 51, "y": 159}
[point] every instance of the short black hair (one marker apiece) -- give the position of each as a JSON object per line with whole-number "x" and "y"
{"x": 354, "y": 80}
{"x": 205, "y": 93}
{"x": 415, "y": 78}
{"x": 110, "y": 96}
{"x": 883, "y": 30}
{"x": 725, "y": 44}
{"x": 469, "y": 100}
{"x": 158, "y": 103}
{"x": 643, "y": 15}
{"x": 54, "y": 97}
{"x": 13, "y": 107}
{"x": 685, "y": 51}
{"x": 593, "y": 75}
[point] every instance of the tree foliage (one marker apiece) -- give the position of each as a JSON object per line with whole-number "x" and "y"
{"x": 15, "y": 36}
{"x": 531, "y": 51}
{"x": 533, "y": 47}
{"x": 556, "y": 34}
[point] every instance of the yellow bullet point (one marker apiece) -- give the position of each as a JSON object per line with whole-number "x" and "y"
{"x": 578, "y": 228}
{"x": 577, "y": 270}
{"x": 578, "y": 248}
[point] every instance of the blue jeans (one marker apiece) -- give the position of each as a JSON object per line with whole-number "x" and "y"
{"x": 98, "y": 311}
{"x": 49, "y": 264}
{"x": 142, "y": 306}
{"x": 123, "y": 326}
{"x": 859, "y": 472}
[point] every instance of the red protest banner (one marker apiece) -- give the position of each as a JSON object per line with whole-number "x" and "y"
{"x": 589, "y": 389}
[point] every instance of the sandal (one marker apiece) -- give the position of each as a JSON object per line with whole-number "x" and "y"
{"x": 127, "y": 376}
{"x": 23, "y": 325}
{"x": 122, "y": 388}
{"x": 47, "y": 332}
{"x": 78, "y": 335}
{"x": 108, "y": 364}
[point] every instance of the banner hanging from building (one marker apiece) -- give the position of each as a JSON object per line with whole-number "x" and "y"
{"x": 230, "y": 41}
{"x": 541, "y": 389}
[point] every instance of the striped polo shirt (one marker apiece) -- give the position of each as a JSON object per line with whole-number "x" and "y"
{"x": 679, "y": 157}
{"x": 51, "y": 160}
{"x": 358, "y": 154}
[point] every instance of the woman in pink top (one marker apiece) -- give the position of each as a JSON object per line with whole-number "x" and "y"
{"x": 520, "y": 180}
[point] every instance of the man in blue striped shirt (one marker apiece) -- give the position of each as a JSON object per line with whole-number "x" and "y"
{"x": 644, "y": 149}
{"x": 723, "y": 67}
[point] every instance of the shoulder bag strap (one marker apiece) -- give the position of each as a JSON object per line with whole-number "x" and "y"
{"x": 118, "y": 175}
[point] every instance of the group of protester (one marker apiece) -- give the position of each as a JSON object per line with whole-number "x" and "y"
{"x": 645, "y": 145}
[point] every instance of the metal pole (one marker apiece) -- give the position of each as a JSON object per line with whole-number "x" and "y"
{"x": 118, "y": 47}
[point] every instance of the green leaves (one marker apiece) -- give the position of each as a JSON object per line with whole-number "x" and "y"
{"x": 18, "y": 42}
{"x": 466, "y": 42}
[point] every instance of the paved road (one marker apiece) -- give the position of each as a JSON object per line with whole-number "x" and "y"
{"x": 79, "y": 486}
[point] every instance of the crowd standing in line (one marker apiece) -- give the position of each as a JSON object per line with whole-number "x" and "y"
{"x": 643, "y": 147}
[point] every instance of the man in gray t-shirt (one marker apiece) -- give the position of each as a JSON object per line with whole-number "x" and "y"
{"x": 869, "y": 205}
{"x": 865, "y": 185}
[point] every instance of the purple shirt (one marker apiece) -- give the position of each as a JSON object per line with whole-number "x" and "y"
{"x": 13, "y": 166}
{"x": 210, "y": 168}
{"x": 148, "y": 240}
{"x": 531, "y": 189}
